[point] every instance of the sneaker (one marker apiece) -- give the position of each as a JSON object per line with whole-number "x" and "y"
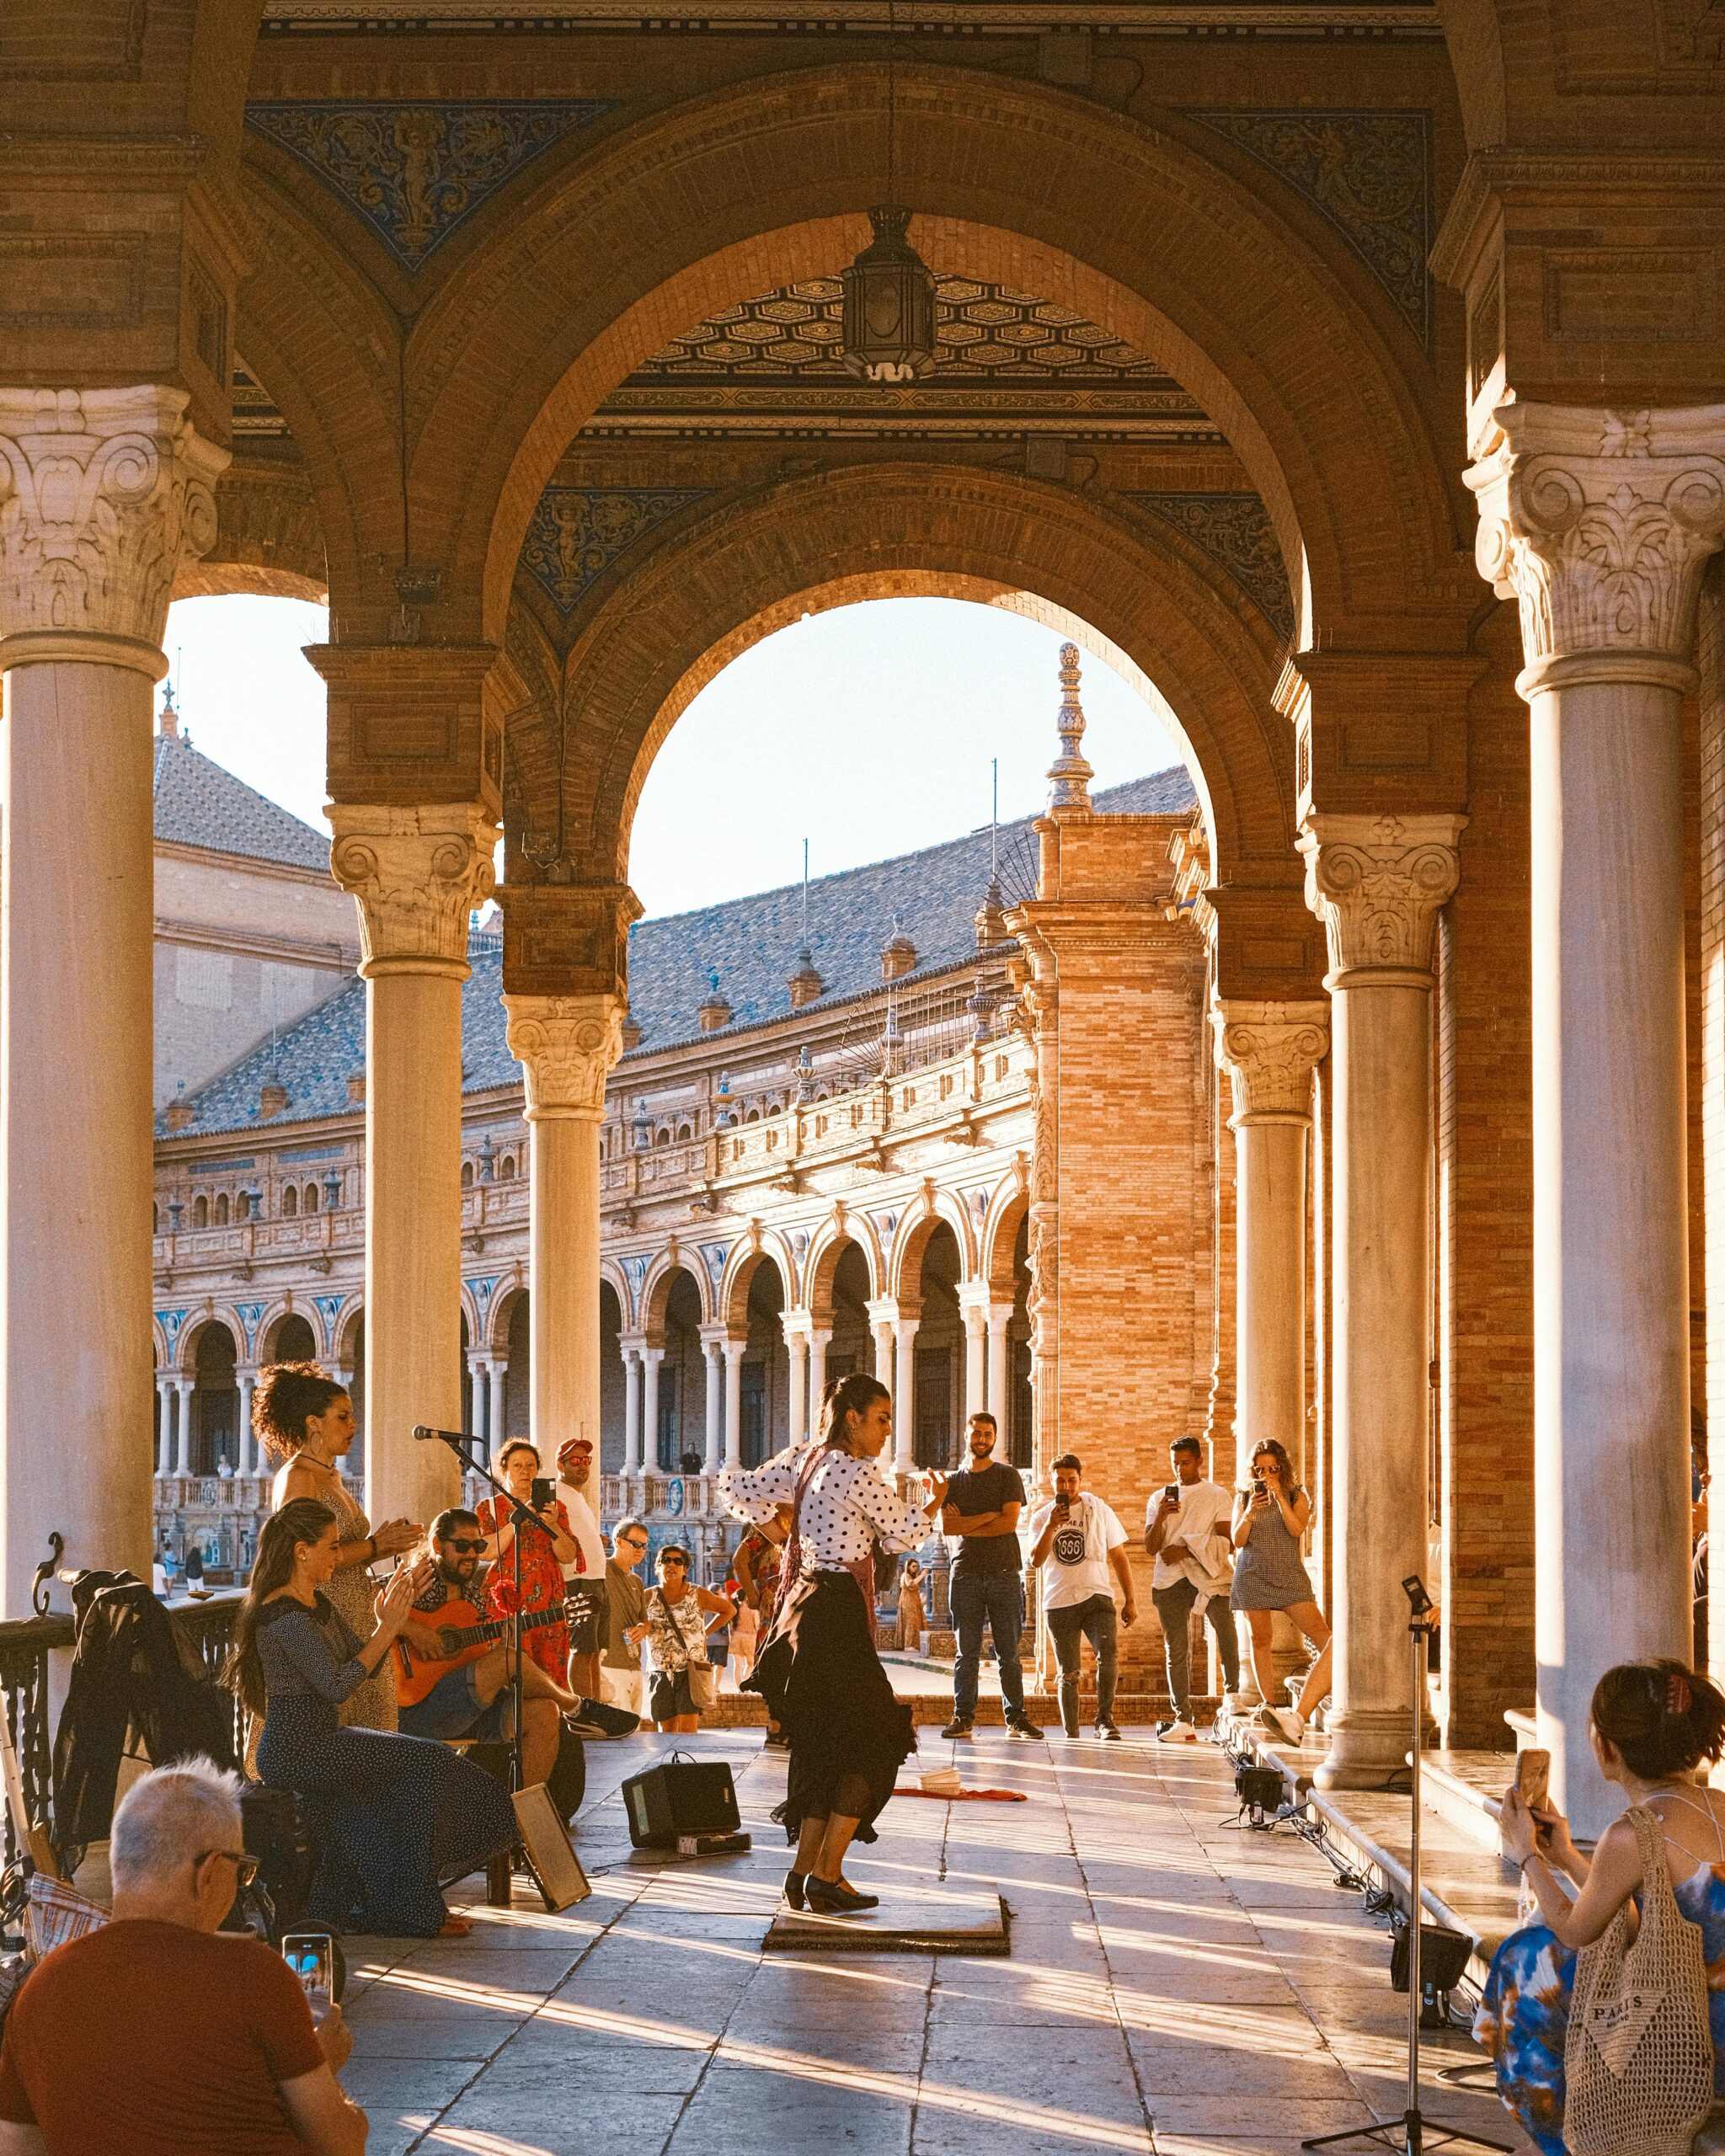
{"x": 1177, "y": 1732}
{"x": 1022, "y": 1726}
{"x": 957, "y": 1729}
{"x": 1107, "y": 1732}
{"x": 1284, "y": 1722}
{"x": 1240, "y": 1703}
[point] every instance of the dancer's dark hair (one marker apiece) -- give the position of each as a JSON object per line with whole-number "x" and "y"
{"x": 300, "y": 1521}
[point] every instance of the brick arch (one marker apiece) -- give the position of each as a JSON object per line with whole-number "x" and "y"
{"x": 1290, "y": 347}
{"x": 874, "y": 530}
{"x": 185, "y": 1358}
{"x": 1006, "y": 1215}
{"x": 655, "y": 1292}
{"x": 911, "y": 1246}
{"x": 821, "y": 1262}
{"x": 733, "y": 1290}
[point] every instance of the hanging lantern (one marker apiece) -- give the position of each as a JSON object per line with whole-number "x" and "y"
{"x": 889, "y": 304}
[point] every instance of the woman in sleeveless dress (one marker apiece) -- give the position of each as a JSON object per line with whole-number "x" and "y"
{"x": 304, "y": 1419}
{"x": 1269, "y": 1574}
{"x": 1653, "y": 1724}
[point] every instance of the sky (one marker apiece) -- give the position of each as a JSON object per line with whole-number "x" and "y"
{"x": 868, "y": 730}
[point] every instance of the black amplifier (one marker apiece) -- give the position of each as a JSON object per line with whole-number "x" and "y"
{"x": 679, "y": 1798}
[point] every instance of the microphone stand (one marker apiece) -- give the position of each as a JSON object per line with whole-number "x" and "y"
{"x": 523, "y": 1516}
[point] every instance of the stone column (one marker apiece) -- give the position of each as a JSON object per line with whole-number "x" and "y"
{"x": 497, "y": 1402}
{"x": 1600, "y": 524}
{"x": 247, "y": 1444}
{"x": 714, "y": 1348}
{"x": 905, "y": 1393}
{"x": 1377, "y": 883}
{"x": 1269, "y": 1051}
{"x": 797, "y": 1362}
{"x": 566, "y": 1046}
{"x": 477, "y": 1422}
{"x": 631, "y": 1409}
{"x": 651, "y": 1357}
{"x": 102, "y": 491}
{"x": 819, "y": 1339}
{"x": 416, "y": 875}
{"x": 733, "y": 1402}
{"x": 183, "y": 1424}
{"x": 164, "y": 1423}
{"x": 1000, "y": 1322}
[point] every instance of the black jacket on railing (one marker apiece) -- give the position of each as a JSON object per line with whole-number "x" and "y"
{"x": 128, "y": 1672}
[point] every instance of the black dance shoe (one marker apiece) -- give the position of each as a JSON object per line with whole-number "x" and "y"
{"x": 795, "y": 1884}
{"x": 832, "y": 1898}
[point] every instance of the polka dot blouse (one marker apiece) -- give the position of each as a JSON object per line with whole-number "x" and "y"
{"x": 847, "y": 1505}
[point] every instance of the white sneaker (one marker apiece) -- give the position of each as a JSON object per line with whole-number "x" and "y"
{"x": 1177, "y": 1732}
{"x": 1285, "y": 1722}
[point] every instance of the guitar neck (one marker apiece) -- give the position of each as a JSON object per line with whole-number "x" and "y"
{"x": 499, "y": 1627}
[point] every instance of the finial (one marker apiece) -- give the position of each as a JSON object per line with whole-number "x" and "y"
{"x": 1070, "y": 773}
{"x": 168, "y": 718}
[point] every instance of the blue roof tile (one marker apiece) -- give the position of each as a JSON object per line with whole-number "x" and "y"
{"x": 199, "y": 803}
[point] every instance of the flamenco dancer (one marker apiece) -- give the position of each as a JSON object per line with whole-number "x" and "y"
{"x": 819, "y": 1672}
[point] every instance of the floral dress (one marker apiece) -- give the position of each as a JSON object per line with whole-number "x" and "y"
{"x": 1523, "y": 2019}
{"x": 542, "y": 1585}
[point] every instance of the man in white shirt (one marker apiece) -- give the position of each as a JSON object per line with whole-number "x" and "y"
{"x": 1081, "y": 1547}
{"x": 1187, "y": 1530}
{"x": 584, "y": 1576}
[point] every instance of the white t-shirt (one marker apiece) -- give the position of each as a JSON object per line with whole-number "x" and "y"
{"x": 1076, "y": 1567}
{"x": 586, "y": 1531}
{"x": 1204, "y": 1506}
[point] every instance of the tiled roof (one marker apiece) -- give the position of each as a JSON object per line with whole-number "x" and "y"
{"x": 752, "y": 943}
{"x": 199, "y": 803}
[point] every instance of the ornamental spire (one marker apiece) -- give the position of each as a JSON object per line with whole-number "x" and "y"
{"x": 1069, "y": 774}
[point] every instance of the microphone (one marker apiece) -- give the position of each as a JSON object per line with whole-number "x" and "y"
{"x": 427, "y": 1435}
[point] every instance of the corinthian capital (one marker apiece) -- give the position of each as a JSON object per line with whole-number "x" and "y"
{"x": 1599, "y": 524}
{"x": 1377, "y": 883}
{"x": 567, "y": 1046}
{"x": 102, "y": 493}
{"x": 418, "y": 873}
{"x": 1269, "y": 1051}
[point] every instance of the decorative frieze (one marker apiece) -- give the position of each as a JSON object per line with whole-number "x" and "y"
{"x": 577, "y": 532}
{"x": 1236, "y": 531}
{"x": 418, "y": 874}
{"x": 1599, "y": 525}
{"x": 567, "y": 1046}
{"x": 1269, "y": 1051}
{"x": 102, "y": 493}
{"x": 1378, "y": 883}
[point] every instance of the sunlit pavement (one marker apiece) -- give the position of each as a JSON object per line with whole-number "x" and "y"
{"x": 1175, "y": 1986}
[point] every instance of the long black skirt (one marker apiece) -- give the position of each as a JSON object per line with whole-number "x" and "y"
{"x": 824, "y": 1685}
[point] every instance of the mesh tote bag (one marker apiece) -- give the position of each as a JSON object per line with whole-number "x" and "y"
{"x": 1639, "y": 2055}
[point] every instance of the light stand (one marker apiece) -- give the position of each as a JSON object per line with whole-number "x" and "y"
{"x": 1412, "y": 2133}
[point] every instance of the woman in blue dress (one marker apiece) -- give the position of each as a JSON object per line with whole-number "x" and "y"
{"x": 394, "y": 1816}
{"x": 1653, "y": 1724}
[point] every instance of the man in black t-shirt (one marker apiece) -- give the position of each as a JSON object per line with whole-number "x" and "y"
{"x": 983, "y": 1503}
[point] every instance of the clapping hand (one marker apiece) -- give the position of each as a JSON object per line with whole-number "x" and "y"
{"x": 395, "y": 1537}
{"x": 397, "y": 1596}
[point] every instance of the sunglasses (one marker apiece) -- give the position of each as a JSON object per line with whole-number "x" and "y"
{"x": 245, "y": 1868}
{"x": 464, "y": 1542}
{"x": 675, "y": 1564}
{"x": 632, "y": 1541}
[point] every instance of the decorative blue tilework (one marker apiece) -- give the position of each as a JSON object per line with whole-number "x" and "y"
{"x": 577, "y": 533}
{"x": 251, "y": 1316}
{"x": 172, "y": 1322}
{"x": 416, "y": 170}
{"x": 714, "y": 1255}
{"x": 328, "y": 1310}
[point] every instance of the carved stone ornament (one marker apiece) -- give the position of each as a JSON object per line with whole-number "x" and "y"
{"x": 1269, "y": 1051}
{"x": 567, "y": 1046}
{"x": 102, "y": 493}
{"x": 1378, "y": 883}
{"x": 418, "y": 874}
{"x": 1599, "y": 524}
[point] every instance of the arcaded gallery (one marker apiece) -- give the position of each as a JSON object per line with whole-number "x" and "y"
{"x": 1337, "y": 1084}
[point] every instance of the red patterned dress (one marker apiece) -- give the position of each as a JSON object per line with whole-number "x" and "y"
{"x": 542, "y": 1585}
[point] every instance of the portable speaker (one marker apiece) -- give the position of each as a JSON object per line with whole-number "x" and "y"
{"x": 681, "y": 1796}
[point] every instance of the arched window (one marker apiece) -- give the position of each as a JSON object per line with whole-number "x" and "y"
{"x": 221, "y": 1210}
{"x": 155, "y": 1219}
{"x": 662, "y": 1135}
{"x": 466, "y": 1175}
{"x": 289, "y": 1203}
{"x": 200, "y": 1212}
{"x": 506, "y": 1170}
{"x": 751, "y": 1115}
{"x": 308, "y": 1203}
{"x": 684, "y": 1134}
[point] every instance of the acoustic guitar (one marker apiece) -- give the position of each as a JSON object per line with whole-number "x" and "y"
{"x": 466, "y": 1635}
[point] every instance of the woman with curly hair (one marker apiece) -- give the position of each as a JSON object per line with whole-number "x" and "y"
{"x": 305, "y": 1420}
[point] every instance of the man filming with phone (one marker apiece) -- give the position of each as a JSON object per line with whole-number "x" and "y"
{"x": 157, "y": 2035}
{"x": 1188, "y": 1531}
{"x": 1081, "y": 1542}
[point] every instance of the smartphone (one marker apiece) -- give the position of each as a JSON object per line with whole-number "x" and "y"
{"x": 544, "y": 1492}
{"x": 1260, "y": 1488}
{"x": 311, "y": 1955}
{"x": 1172, "y": 1493}
{"x": 1533, "y": 1778}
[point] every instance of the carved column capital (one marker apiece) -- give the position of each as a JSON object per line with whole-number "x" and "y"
{"x": 102, "y": 493}
{"x": 1269, "y": 1051}
{"x": 1599, "y": 524}
{"x": 567, "y": 1046}
{"x": 1378, "y": 883}
{"x": 418, "y": 873}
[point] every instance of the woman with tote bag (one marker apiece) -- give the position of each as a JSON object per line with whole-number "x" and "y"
{"x": 683, "y": 1681}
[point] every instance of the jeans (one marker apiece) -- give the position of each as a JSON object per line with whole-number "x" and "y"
{"x": 1096, "y": 1620}
{"x": 1173, "y": 1609}
{"x": 999, "y": 1597}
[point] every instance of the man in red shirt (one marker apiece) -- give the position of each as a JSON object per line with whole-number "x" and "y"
{"x": 155, "y": 2036}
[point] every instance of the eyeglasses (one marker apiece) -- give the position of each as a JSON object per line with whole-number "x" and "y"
{"x": 675, "y": 1564}
{"x": 632, "y": 1541}
{"x": 245, "y": 1868}
{"x": 464, "y": 1542}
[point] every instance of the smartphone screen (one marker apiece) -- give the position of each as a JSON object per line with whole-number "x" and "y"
{"x": 311, "y": 1957}
{"x": 544, "y": 1491}
{"x": 1533, "y": 1778}
{"x": 1172, "y": 1493}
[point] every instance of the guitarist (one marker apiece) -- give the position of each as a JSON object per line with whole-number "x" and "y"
{"x": 471, "y": 1699}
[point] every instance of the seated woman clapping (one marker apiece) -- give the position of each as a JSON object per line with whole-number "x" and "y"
{"x": 396, "y": 1817}
{"x": 1653, "y": 1724}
